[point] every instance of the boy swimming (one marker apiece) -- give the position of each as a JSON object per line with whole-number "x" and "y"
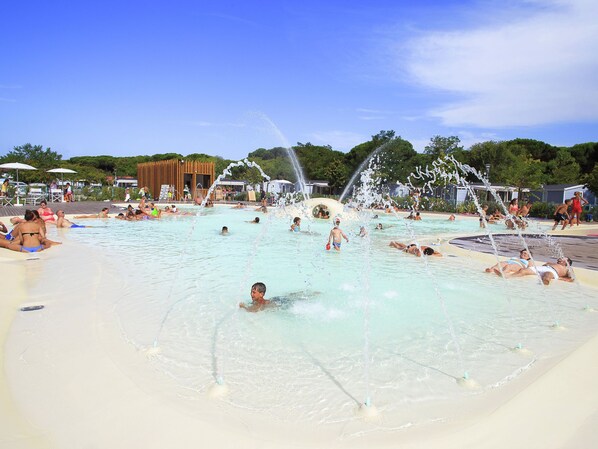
{"x": 258, "y": 302}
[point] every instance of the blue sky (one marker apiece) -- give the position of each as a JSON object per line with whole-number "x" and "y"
{"x": 227, "y": 77}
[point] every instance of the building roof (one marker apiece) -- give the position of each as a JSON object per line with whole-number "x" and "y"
{"x": 562, "y": 186}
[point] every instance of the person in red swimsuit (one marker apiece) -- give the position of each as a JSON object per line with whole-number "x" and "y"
{"x": 577, "y": 202}
{"x": 46, "y": 213}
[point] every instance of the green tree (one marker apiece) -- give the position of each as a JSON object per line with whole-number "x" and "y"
{"x": 315, "y": 159}
{"x": 491, "y": 154}
{"x": 361, "y": 152}
{"x": 396, "y": 160}
{"x": 166, "y": 157}
{"x": 591, "y": 180}
{"x": 537, "y": 149}
{"x": 586, "y": 155}
{"x": 563, "y": 169}
{"x": 35, "y": 156}
{"x": 443, "y": 146}
{"x": 521, "y": 170}
{"x": 337, "y": 174}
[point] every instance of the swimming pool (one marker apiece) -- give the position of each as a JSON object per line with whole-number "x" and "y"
{"x": 420, "y": 324}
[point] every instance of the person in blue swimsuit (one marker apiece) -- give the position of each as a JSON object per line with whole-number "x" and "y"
{"x": 336, "y": 235}
{"x": 62, "y": 222}
{"x": 512, "y": 265}
{"x": 296, "y": 226}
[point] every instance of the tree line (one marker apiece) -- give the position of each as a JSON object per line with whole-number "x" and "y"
{"x": 518, "y": 162}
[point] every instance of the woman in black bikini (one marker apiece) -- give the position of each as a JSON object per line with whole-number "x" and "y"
{"x": 28, "y": 236}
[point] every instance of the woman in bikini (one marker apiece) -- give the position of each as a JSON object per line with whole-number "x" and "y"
{"x": 512, "y": 214}
{"x": 36, "y": 219}
{"x": 46, "y": 213}
{"x": 28, "y": 236}
{"x": 512, "y": 265}
{"x": 514, "y": 207}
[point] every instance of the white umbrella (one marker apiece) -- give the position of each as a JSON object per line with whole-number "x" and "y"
{"x": 62, "y": 171}
{"x": 17, "y": 166}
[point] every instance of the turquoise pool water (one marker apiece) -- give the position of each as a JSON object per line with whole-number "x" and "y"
{"x": 368, "y": 321}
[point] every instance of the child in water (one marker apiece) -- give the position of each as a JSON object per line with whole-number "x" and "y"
{"x": 296, "y": 226}
{"x": 335, "y": 236}
{"x": 258, "y": 302}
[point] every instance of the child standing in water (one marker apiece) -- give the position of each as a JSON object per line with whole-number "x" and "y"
{"x": 336, "y": 236}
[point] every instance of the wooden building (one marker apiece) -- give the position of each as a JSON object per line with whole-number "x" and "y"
{"x": 193, "y": 177}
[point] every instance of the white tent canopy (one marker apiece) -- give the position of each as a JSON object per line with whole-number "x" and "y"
{"x": 17, "y": 166}
{"x": 62, "y": 171}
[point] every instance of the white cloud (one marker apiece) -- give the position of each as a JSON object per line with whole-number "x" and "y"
{"x": 371, "y": 117}
{"x": 203, "y": 124}
{"x": 527, "y": 69}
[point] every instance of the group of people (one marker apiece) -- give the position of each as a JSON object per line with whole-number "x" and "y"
{"x": 569, "y": 212}
{"x": 523, "y": 266}
{"x": 148, "y": 211}
{"x": 29, "y": 234}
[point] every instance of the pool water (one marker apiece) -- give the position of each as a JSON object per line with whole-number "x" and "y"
{"x": 368, "y": 321}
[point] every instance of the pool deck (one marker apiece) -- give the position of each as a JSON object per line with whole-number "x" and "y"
{"x": 581, "y": 249}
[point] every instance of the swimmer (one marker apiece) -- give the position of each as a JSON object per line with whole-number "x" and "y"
{"x": 103, "y": 214}
{"x": 239, "y": 206}
{"x": 451, "y": 218}
{"x": 256, "y": 220}
{"x": 156, "y": 212}
{"x": 362, "y": 231}
{"x": 263, "y": 207}
{"x": 379, "y": 226}
{"x": 413, "y": 249}
{"x": 335, "y": 235}
{"x": 560, "y": 270}
{"x": 512, "y": 265}
{"x": 62, "y": 222}
{"x": 224, "y": 230}
{"x": 296, "y": 226}
{"x": 258, "y": 302}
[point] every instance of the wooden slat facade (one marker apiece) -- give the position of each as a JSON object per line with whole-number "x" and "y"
{"x": 178, "y": 174}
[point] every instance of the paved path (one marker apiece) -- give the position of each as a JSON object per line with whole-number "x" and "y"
{"x": 582, "y": 250}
